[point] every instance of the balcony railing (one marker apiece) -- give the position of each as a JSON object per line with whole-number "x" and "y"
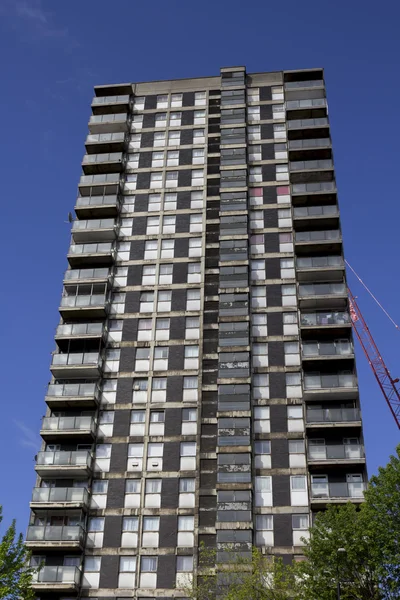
{"x": 80, "y": 329}
{"x": 320, "y": 381}
{"x": 105, "y": 138}
{"x": 100, "y": 248}
{"x": 88, "y": 224}
{"x": 83, "y": 301}
{"x": 99, "y": 178}
{"x": 338, "y": 490}
{"x": 60, "y": 575}
{"x": 338, "y": 452}
{"x": 60, "y": 495}
{"x": 306, "y": 144}
{"x": 68, "y": 424}
{"x": 92, "y": 159}
{"x": 317, "y": 236}
{"x": 325, "y": 318}
{"x": 319, "y": 262}
{"x": 310, "y": 165}
{"x": 291, "y": 85}
{"x": 322, "y": 289}
{"x": 336, "y": 348}
{"x": 307, "y": 103}
{"x": 319, "y": 186}
{"x": 75, "y": 458}
{"x": 332, "y": 415}
{"x": 316, "y": 211}
{"x": 79, "y": 274}
{"x": 55, "y": 533}
{"x": 76, "y": 359}
{"x": 110, "y": 100}
{"x": 109, "y": 118}
{"x": 88, "y": 201}
{"x": 304, "y": 123}
{"x": 73, "y": 390}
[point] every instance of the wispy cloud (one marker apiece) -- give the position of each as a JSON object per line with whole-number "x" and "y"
{"x": 29, "y": 437}
{"x": 24, "y": 10}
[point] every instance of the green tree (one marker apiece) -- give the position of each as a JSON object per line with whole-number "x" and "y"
{"x": 15, "y": 576}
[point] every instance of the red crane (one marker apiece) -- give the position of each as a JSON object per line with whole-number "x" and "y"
{"x": 381, "y": 372}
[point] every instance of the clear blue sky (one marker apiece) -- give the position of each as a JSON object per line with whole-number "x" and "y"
{"x": 53, "y": 53}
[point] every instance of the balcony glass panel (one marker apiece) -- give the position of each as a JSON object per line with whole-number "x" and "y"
{"x": 73, "y": 390}
{"x": 102, "y": 178}
{"x": 73, "y": 274}
{"x": 315, "y": 211}
{"x": 308, "y": 165}
{"x": 307, "y": 103}
{"x": 291, "y": 85}
{"x": 321, "y": 186}
{"x": 332, "y": 415}
{"x": 76, "y": 358}
{"x": 325, "y": 318}
{"x": 64, "y": 458}
{"x": 80, "y": 329}
{"x": 332, "y": 452}
{"x": 105, "y": 137}
{"x": 68, "y": 494}
{"x": 317, "y": 236}
{"x": 58, "y": 575}
{"x": 318, "y": 381}
{"x": 313, "y": 143}
{"x": 54, "y": 533}
{"x": 90, "y": 159}
{"x": 304, "y": 123}
{"x": 322, "y": 289}
{"x": 318, "y": 262}
{"x": 97, "y": 200}
{"x": 68, "y": 423}
{"x": 111, "y": 118}
{"x": 100, "y": 248}
{"x": 338, "y": 490}
{"x": 339, "y": 348}
{"x": 83, "y": 301}
{"x": 110, "y": 99}
{"x": 93, "y": 224}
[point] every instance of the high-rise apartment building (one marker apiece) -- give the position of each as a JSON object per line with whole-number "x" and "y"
{"x": 203, "y": 383}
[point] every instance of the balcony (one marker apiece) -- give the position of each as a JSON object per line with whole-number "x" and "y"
{"x": 108, "y": 162}
{"x": 84, "y": 306}
{"x": 60, "y": 428}
{"x": 99, "y": 275}
{"x": 337, "y": 349}
{"x": 332, "y": 417}
{"x": 295, "y": 85}
{"x": 325, "y": 319}
{"x": 68, "y": 464}
{"x": 110, "y": 182}
{"x": 94, "y": 230}
{"x": 306, "y": 103}
{"x": 109, "y": 123}
{"x": 339, "y": 453}
{"x": 325, "y": 216}
{"x": 55, "y": 537}
{"x": 306, "y": 127}
{"x": 315, "y": 268}
{"x": 79, "y": 331}
{"x": 326, "y": 386}
{"x": 111, "y": 104}
{"x": 89, "y": 206}
{"x": 321, "y": 295}
{"x": 100, "y": 253}
{"x": 105, "y": 142}
{"x": 57, "y": 579}
{"x": 310, "y": 148}
{"x": 317, "y": 187}
{"x": 67, "y": 497}
{"x": 311, "y": 165}
{"x": 76, "y": 365}
{"x": 319, "y": 241}
{"x": 324, "y": 493}
{"x": 72, "y": 395}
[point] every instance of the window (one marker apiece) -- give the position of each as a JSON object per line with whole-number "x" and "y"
{"x": 157, "y": 419}
{"x": 283, "y": 194}
{"x": 160, "y": 362}
{"x": 138, "y": 420}
{"x": 277, "y": 93}
{"x": 96, "y": 524}
{"x": 133, "y": 160}
{"x": 284, "y": 217}
{"x": 296, "y": 447}
{"x": 253, "y": 113}
{"x": 282, "y": 173}
{"x": 165, "y": 274}
{"x": 192, "y": 328}
{"x": 130, "y": 182}
{"x": 278, "y": 111}
{"x": 169, "y": 222}
{"x": 290, "y": 326}
{"x": 254, "y": 153}
{"x": 164, "y": 301}
{"x": 194, "y": 273}
{"x": 176, "y": 101}
{"x": 175, "y": 119}
{"x": 198, "y": 156}
{"x": 298, "y": 482}
{"x": 155, "y": 180}
{"x": 171, "y": 179}
{"x": 127, "y": 570}
{"x": 263, "y": 491}
{"x": 174, "y": 138}
{"x": 170, "y": 201}
{"x": 261, "y": 419}
{"x": 157, "y": 159}
{"x": 154, "y": 204}
{"x": 191, "y": 360}
{"x": 137, "y": 122}
{"x": 286, "y": 242}
{"x": 135, "y": 141}
{"x": 159, "y": 389}
{"x": 295, "y": 418}
{"x": 130, "y": 527}
{"x": 193, "y": 299}
{"x": 260, "y": 386}
{"x": 292, "y": 354}
{"x": 132, "y": 493}
{"x": 161, "y": 120}
{"x": 300, "y": 525}
{"x": 287, "y": 268}
{"x": 262, "y": 451}
{"x": 257, "y": 270}
{"x": 162, "y": 101}
{"x": 253, "y": 95}
{"x": 151, "y": 526}
{"x": 92, "y": 564}
{"x": 259, "y": 325}
{"x": 189, "y": 421}
{"x": 140, "y": 391}
{"x": 257, "y": 244}
{"x": 152, "y": 498}
{"x": 293, "y": 385}
{"x": 159, "y": 139}
{"x": 185, "y": 531}
{"x": 190, "y": 389}
{"x": 154, "y": 456}
{"x": 172, "y": 158}
{"x": 188, "y": 456}
{"x": 258, "y": 297}
{"x": 144, "y": 329}
{"x": 254, "y": 133}
{"x": 194, "y": 247}
{"x": 280, "y": 151}
{"x": 199, "y": 117}
{"x": 142, "y": 362}
{"x": 255, "y": 174}
{"x": 184, "y": 564}
{"x": 197, "y": 178}
{"x": 289, "y": 295}
{"x": 260, "y": 355}
{"x": 149, "y": 274}
{"x": 152, "y": 225}
{"x": 264, "y": 530}
{"x": 200, "y": 98}
{"x": 199, "y": 136}
{"x": 196, "y": 223}
{"x": 167, "y": 248}
{"x": 279, "y": 131}
{"x": 146, "y": 303}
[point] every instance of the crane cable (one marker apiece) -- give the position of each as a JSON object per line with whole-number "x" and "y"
{"x": 372, "y": 295}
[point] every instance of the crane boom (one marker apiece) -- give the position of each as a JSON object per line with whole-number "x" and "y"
{"x": 381, "y": 372}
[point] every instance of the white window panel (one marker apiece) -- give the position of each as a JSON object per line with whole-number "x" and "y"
{"x": 171, "y": 179}
{"x": 126, "y": 224}
{"x": 150, "y": 528}
{"x": 130, "y": 527}
{"x": 193, "y": 299}
{"x": 164, "y": 301}
{"x": 278, "y": 111}
{"x": 259, "y": 325}
{"x": 133, "y": 160}
{"x": 195, "y": 247}
{"x": 188, "y": 456}
{"x": 282, "y": 173}
{"x": 102, "y": 458}
{"x": 256, "y": 196}
{"x": 283, "y": 194}
{"x": 257, "y": 272}
{"x": 128, "y": 206}
{"x": 109, "y": 391}
{"x": 167, "y": 248}
{"x": 289, "y": 297}
{"x": 152, "y": 497}
{"x": 156, "y": 426}
{"x": 191, "y": 359}
{"x": 253, "y": 94}
{"x": 153, "y": 225}
{"x": 162, "y": 101}
{"x": 297, "y": 457}
{"x": 127, "y": 572}
{"x": 293, "y": 385}
{"x": 256, "y": 219}
{"x": 117, "y": 303}
{"x": 190, "y": 389}
{"x": 162, "y": 329}
{"x": 290, "y": 324}
{"x": 159, "y": 389}
{"x": 139, "y": 395}
{"x": 170, "y": 199}
{"x": 199, "y": 136}
{"x": 137, "y": 122}
{"x": 287, "y": 268}
{"x": 185, "y": 531}
{"x": 200, "y": 98}
{"x": 172, "y": 158}
{"x": 254, "y": 153}
{"x": 142, "y": 361}
{"x": 189, "y": 421}
{"x": 132, "y": 493}
{"x": 284, "y": 217}
{"x": 260, "y": 355}
{"x": 148, "y": 572}
{"x": 295, "y": 418}
{"x": 194, "y": 273}
{"x": 160, "y": 362}
{"x": 154, "y": 203}
{"x": 112, "y": 357}
{"x": 130, "y": 182}
{"x": 174, "y": 138}
{"x": 277, "y": 93}
{"x": 169, "y": 222}
{"x": 98, "y": 497}
{"x": 258, "y": 296}
{"x": 286, "y": 242}
{"x": 161, "y": 120}
{"x": 257, "y": 244}
{"x": 156, "y": 180}
{"x": 138, "y": 103}
{"x": 280, "y": 151}
{"x": 198, "y": 156}
{"x": 176, "y": 100}
{"x": 279, "y": 131}
{"x": 192, "y": 328}
{"x": 264, "y": 530}
{"x": 135, "y": 140}
{"x": 196, "y": 200}
{"x": 91, "y": 572}
{"x": 197, "y": 178}
{"x": 196, "y": 223}
{"x": 146, "y": 303}
{"x": 115, "y": 330}
{"x": 123, "y": 250}
{"x": 255, "y": 174}
{"x": 254, "y": 133}
{"x": 298, "y": 490}
{"x": 199, "y": 117}
{"x": 138, "y": 422}
{"x": 300, "y": 526}
{"x": 154, "y": 456}
{"x": 262, "y": 419}
{"x": 150, "y": 249}
{"x": 186, "y": 492}
{"x": 260, "y": 386}
{"x": 253, "y": 113}
{"x": 144, "y": 330}
{"x": 157, "y": 159}
{"x": 263, "y": 491}
{"x": 159, "y": 139}
{"x": 292, "y": 354}
{"x": 262, "y": 451}
{"x": 148, "y": 275}
{"x": 165, "y": 274}
{"x": 175, "y": 119}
